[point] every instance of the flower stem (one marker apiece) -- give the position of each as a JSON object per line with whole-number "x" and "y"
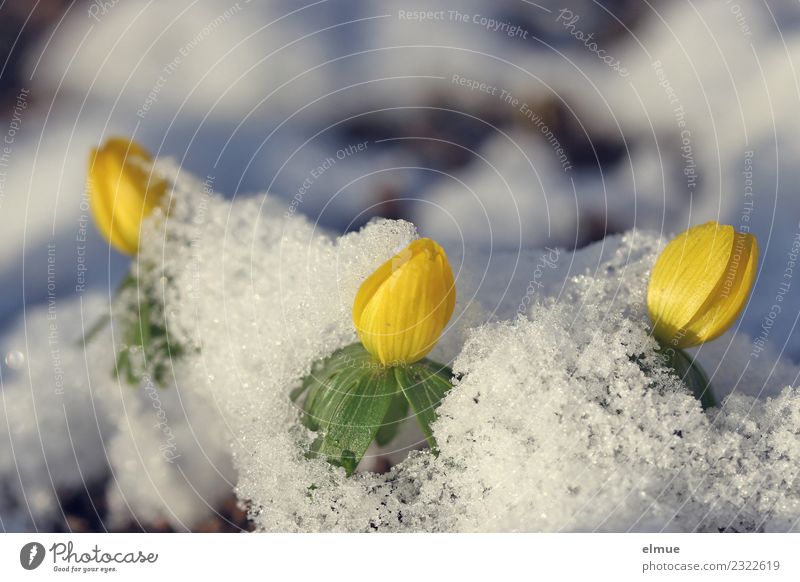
{"x": 692, "y": 374}
{"x": 102, "y": 321}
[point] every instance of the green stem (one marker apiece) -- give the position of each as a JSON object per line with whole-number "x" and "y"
{"x": 101, "y": 322}
{"x": 692, "y": 375}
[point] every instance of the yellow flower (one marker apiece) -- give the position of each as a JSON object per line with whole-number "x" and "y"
{"x": 700, "y": 284}
{"x": 402, "y": 308}
{"x": 122, "y": 191}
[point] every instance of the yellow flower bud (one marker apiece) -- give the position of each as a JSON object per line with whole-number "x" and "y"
{"x": 700, "y": 284}
{"x": 122, "y": 191}
{"x": 402, "y": 308}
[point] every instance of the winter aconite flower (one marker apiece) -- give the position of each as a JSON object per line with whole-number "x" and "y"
{"x": 700, "y": 284}
{"x": 122, "y": 191}
{"x": 402, "y": 308}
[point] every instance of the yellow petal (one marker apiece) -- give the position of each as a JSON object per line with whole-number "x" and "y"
{"x": 700, "y": 283}
{"x": 122, "y": 191}
{"x": 728, "y": 300}
{"x": 402, "y": 308}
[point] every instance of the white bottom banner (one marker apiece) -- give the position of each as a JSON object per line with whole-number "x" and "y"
{"x": 400, "y": 557}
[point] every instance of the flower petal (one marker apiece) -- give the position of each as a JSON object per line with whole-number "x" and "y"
{"x": 727, "y": 301}
{"x": 401, "y": 310}
{"x": 122, "y": 191}
{"x": 685, "y": 275}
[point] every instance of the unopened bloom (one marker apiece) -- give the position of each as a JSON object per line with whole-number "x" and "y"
{"x": 402, "y": 308}
{"x": 122, "y": 191}
{"x": 700, "y": 284}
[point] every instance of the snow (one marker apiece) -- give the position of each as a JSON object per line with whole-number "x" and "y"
{"x": 552, "y": 401}
{"x": 51, "y": 439}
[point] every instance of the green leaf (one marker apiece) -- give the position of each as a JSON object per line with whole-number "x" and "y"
{"x": 351, "y": 400}
{"x": 391, "y": 422}
{"x": 298, "y": 392}
{"x": 323, "y": 370}
{"x": 326, "y": 388}
{"x": 424, "y": 384}
{"x": 148, "y": 348}
{"x": 124, "y": 366}
{"x": 350, "y": 413}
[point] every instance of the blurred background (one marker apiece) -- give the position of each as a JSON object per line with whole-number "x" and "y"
{"x": 503, "y": 125}
{"x": 256, "y": 96}
{"x": 511, "y": 124}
